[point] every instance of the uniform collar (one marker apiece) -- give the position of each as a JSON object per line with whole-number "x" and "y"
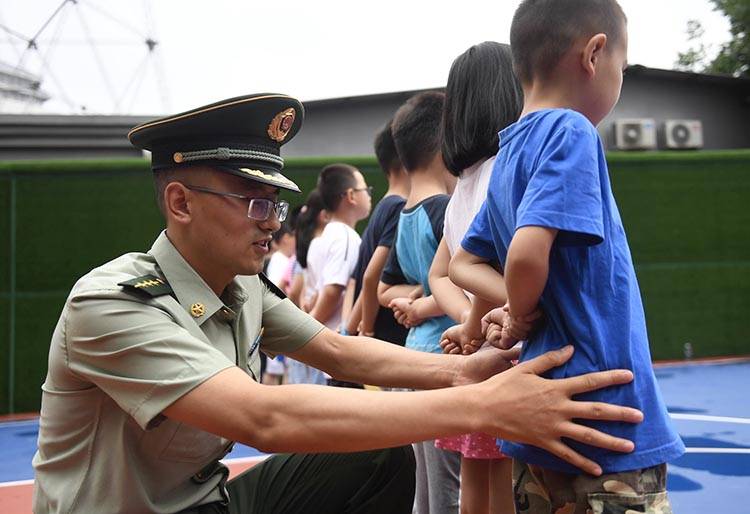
{"x": 191, "y": 290}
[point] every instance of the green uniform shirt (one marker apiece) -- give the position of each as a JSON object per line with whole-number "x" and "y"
{"x": 119, "y": 356}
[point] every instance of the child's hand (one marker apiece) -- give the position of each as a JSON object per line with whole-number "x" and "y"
{"x": 457, "y": 340}
{"x": 449, "y": 341}
{"x": 503, "y": 330}
{"x": 399, "y": 307}
{"x": 492, "y": 326}
{"x": 413, "y": 315}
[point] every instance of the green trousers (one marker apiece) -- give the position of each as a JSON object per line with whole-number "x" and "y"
{"x": 378, "y": 481}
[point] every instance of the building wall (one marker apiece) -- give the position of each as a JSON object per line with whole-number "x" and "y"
{"x": 343, "y": 127}
{"x": 348, "y": 126}
{"x": 25, "y": 137}
{"x": 723, "y": 109}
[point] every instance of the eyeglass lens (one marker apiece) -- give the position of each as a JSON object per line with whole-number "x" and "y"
{"x": 260, "y": 209}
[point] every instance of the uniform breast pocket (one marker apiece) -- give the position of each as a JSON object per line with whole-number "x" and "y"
{"x": 189, "y": 444}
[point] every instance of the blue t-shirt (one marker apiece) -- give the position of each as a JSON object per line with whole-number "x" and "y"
{"x": 380, "y": 231}
{"x": 419, "y": 231}
{"x": 551, "y": 172}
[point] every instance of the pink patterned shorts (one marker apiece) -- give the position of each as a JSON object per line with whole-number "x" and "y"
{"x": 472, "y": 446}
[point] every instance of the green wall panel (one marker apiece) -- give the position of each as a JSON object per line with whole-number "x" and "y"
{"x": 686, "y": 215}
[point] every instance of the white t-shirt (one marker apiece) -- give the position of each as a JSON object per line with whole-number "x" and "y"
{"x": 467, "y": 198}
{"x": 277, "y": 265}
{"x": 465, "y": 202}
{"x": 331, "y": 259}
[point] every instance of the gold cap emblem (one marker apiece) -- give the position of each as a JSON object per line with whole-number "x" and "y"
{"x": 197, "y": 310}
{"x": 281, "y": 124}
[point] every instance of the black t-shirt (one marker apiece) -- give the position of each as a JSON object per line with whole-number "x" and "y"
{"x": 381, "y": 231}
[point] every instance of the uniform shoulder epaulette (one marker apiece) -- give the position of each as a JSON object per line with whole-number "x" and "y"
{"x": 273, "y": 287}
{"x": 149, "y": 284}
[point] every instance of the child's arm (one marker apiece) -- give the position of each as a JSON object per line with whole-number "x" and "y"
{"x": 393, "y": 284}
{"x": 295, "y": 291}
{"x": 387, "y": 292}
{"x": 421, "y": 309}
{"x": 348, "y": 307}
{"x": 368, "y": 296}
{"x": 476, "y": 275}
{"x": 449, "y": 297}
{"x": 355, "y": 317}
{"x": 326, "y": 302}
{"x": 527, "y": 268}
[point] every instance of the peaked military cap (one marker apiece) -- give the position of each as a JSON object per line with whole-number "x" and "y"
{"x": 241, "y": 135}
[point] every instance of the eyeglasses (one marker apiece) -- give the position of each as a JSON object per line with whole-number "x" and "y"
{"x": 368, "y": 189}
{"x": 259, "y": 209}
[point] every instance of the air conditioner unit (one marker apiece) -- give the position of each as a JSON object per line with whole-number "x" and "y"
{"x": 683, "y": 134}
{"x": 635, "y": 134}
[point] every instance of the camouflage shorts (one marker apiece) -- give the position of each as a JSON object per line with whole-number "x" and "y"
{"x": 542, "y": 491}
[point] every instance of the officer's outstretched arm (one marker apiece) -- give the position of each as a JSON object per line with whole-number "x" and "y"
{"x": 516, "y": 405}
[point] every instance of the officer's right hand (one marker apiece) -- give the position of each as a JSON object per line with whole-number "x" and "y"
{"x": 544, "y": 411}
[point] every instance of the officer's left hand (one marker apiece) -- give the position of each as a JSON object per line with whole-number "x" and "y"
{"x": 483, "y": 364}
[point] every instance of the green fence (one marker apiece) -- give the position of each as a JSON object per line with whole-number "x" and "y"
{"x": 686, "y": 216}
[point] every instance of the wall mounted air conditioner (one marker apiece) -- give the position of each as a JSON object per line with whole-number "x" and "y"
{"x": 683, "y": 134}
{"x": 635, "y": 134}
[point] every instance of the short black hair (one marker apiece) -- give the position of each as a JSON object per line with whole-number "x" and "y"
{"x": 416, "y": 129}
{"x": 305, "y": 225}
{"x": 333, "y": 182}
{"x": 482, "y": 97}
{"x": 385, "y": 149}
{"x": 543, "y": 30}
{"x": 162, "y": 179}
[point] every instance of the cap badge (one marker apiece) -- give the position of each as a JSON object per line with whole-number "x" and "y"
{"x": 281, "y": 124}
{"x": 197, "y": 310}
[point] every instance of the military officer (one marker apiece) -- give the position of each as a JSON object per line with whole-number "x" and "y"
{"x": 154, "y": 363}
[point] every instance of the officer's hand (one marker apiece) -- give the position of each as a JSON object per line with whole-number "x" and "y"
{"x": 543, "y": 411}
{"x": 485, "y": 363}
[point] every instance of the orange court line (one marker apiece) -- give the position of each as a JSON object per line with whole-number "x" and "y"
{"x": 15, "y": 497}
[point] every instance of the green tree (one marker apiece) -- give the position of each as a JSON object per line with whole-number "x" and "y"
{"x": 733, "y": 57}
{"x": 694, "y": 58}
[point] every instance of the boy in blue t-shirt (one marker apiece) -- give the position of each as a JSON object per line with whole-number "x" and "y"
{"x": 416, "y": 132}
{"x": 551, "y": 222}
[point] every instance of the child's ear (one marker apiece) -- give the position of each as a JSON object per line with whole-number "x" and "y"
{"x": 592, "y": 52}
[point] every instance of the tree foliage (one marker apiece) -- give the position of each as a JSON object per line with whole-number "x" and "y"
{"x": 733, "y": 57}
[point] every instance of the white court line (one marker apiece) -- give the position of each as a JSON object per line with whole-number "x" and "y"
{"x": 717, "y": 450}
{"x": 4, "y": 424}
{"x": 16, "y": 483}
{"x": 718, "y": 419}
{"x": 244, "y": 460}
